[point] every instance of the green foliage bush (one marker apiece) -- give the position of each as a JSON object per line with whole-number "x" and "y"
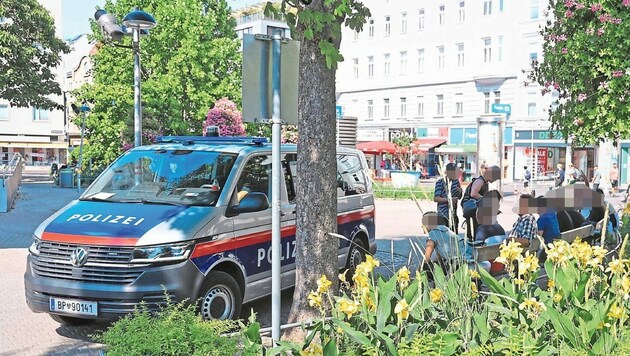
{"x": 175, "y": 330}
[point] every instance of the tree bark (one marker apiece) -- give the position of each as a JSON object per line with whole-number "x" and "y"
{"x": 317, "y": 169}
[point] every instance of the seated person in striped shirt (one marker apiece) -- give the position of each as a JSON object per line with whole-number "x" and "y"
{"x": 525, "y": 228}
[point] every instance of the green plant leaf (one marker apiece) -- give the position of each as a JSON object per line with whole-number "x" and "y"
{"x": 330, "y": 349}
{"x": 355, "y": 335}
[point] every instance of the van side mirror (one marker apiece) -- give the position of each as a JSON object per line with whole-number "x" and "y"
{"x": 252, "y": 202}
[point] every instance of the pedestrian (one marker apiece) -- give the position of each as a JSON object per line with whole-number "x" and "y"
{"x": 614, "y": 179}
{"x": 559, "y": 176}
{"x": 473, "y": 194}
{"x": 446, "y": 209}
{"x": 487, "y": 215}
{"x": 570, "y": 174}
{"x": 547, "y": 223}
{"x": 442, "y": 240}
{"x": 526, "y": 180}
{"x": 597, "y": 177}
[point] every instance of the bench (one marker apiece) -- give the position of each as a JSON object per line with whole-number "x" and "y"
{"x": 491, "y": 252}
{"x": 582, "y": 231}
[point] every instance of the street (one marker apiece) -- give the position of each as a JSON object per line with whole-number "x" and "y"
{"x": 24, "y": 332}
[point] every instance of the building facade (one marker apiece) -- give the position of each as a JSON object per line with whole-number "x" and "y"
{"x": 252, "y": 20}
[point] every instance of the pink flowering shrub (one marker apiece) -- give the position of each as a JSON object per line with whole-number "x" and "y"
{"x": 227, "y": 117}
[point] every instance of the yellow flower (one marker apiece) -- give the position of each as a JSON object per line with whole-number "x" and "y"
{"x": 347, "y": 306}
{"x": 342, "y": 276}
{"x": 403, "y": 277}
{"x": 615, "y": 312}
{"x": 339, "y": 330}
{"x": 314, "y": 299}
{"x": 509, "y": 252}
{"x": 402, "y": 310}
{"x": 602, "y": 325}
{"x": 559, "y": 253}
{"x": 519, "y": 281}
{"x": 551, "y": 283}
{"x": 436, "y": 295}
{"x": 372, "y": 262}
{"x": 598, "y": 256}
{"x": 360, "y": 280}
{"x": 533, "y": 308}
{"x": 625, "y": 286}
{"x": 581, "y": 251}
{"x": 323, "y": 284}
{"x": 616, "y": 266}
{"x": 557, "y": 297}
{"x": 528, "y": 264}
{"x": 473, "y": 288}
{"x": 474, "y": 274}
{"x": 312, "y": 350}
{"x": 368, "y": 302}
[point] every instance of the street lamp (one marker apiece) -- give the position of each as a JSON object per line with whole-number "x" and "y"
{"x": 135, "y": 23}
{"x": 84, "y": 109}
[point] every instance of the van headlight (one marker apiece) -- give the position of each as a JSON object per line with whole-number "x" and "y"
{"x": 35, "y": 246}
{"x": 161, "y": 253}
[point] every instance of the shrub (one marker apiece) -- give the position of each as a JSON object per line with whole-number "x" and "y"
{"x": 175, "y": 330}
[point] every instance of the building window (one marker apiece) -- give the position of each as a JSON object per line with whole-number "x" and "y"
{"x": 355, "y": 67}
{"x": 487, "y": 7}
{"x": 356, "y": 35}
{"x": 486, "y": 103}
{"x": 531, "y": 104}
{"x": 497, "y": 97}
{"x": 386, "y": 108}
{"x": 441, "y": 15}
{"x": 487, "y": 50}
{"x": 421, "y": 19}
{"x": 534, "y": 9}
{"x": 4, "y": 112}
{"x": 370, "y": 109}
{"x": 403, "y": 107}
{"x": 459, "y": 104}
{"x": 403, "y": 62}
{"x": 440, "y": 51}
{"x": 421, "y": 60}
{"x": 386, "y": 65}
{"x": 370, "y": 67}
{"x": 533, "y": 57}
{"x": 462, "y": 11}
{"x": 460, "y": 55}
{"x": 500, "y": 48}
{"x": 371, "y": 28}
{"x": 440, "y": 105}
{"x": 403, "y": 23}
{"x": 40, "y": 114}
{"x": 420, "y": 106}
{"x": 388, "y": 26}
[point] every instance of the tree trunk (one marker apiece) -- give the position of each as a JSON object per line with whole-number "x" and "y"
{"x": 317, "y": 171}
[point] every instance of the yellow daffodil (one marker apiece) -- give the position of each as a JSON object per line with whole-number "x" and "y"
{"x": 581, "y": 252}
{"x": 312, "y": 350}
{"x": 323, "y": 284}
{"x": 559, "y": 253}
{"x": 402, "y": 276}
{"x": 615, "y": 312}
{"x": 509, "y": 252}
{"x": 436, "y": 295}
{"x": 557, "y": 297}
{"x": 474, "y": 274}
{"x": 372, "y": 262}
{"x": 314, "y": 299}
{"x": 402, "y": 310}
{"x": 348, "y": 306}
{"x": 532, "y": 307}
{"x": 360, "y": 280}
{"x": 342, "y": 276}
{"x": 527, "y": 264}
{"x": 551, "y": 283}
{"x": 616, "y": 266}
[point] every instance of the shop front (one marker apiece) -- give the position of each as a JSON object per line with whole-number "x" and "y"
{"x": 35, "y": 154}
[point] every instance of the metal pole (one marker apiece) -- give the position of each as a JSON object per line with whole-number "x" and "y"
{"x": 137, "y": 107}
{"x": 80, "y": 165}
{"x": 276, "y": 177}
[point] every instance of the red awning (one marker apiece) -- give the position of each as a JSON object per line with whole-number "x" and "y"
{"x": 377, "y": 147}
{"x": 424, "y": 144}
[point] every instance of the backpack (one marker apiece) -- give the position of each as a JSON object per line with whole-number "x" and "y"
{"x": 528, "y": 175}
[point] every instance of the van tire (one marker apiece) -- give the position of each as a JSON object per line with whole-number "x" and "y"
{"x": 70, "y": 321}
{"x": 219, "y": 287}
{"x": 356, "y": 255}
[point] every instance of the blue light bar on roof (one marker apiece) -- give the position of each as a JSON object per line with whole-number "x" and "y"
{"x": 210, "y": 139}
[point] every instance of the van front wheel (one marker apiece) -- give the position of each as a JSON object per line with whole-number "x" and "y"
{"x": 356, "y": 255}
{"x": 220, "y": 297}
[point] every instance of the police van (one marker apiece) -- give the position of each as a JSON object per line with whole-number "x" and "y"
{"x": 188, "y": 218}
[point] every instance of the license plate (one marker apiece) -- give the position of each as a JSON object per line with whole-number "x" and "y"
{"x": 75, "y": 307}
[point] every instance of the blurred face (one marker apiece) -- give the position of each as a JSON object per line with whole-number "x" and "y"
{"x": 492, "y": 174}
{"x": 452, "y": 173}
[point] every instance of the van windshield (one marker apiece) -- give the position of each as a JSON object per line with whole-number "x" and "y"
{"x": 172, "y": 177}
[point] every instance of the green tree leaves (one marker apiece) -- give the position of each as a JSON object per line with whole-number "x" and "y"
{"x": 587, "y": 64}
{"x": 188, "y": 61}
{"x": 29, "y": 53}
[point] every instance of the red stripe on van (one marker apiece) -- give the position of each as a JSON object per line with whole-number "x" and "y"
{"x": 89, "y": 240}
{"x": 211, "y": 247}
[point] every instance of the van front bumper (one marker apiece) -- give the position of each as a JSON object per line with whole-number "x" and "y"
{"x": 177, "y": 282}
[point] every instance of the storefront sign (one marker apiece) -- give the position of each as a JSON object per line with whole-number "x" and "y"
{"x": 468, "y": 136}
{"x": 366, "y": 135}
{"x": 541, "y": 160}
{"x": 537, "y": 135}
{"x": 398, "y": 133}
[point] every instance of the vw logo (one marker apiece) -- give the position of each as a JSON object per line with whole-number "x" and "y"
{"x": 78, "y": 257}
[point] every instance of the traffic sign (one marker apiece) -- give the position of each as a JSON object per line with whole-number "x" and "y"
{"x": 339, "y": 111}
{"x": 499, "y": 108}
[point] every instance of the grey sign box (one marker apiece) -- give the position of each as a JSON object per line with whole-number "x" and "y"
{"x": 257, "y": 79}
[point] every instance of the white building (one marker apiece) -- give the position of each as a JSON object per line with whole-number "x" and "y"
{"x": 434, "y": 67}
{"x": 252, "y": 20}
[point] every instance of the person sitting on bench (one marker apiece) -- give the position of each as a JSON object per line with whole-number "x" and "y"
{"x": 525, "y": 228}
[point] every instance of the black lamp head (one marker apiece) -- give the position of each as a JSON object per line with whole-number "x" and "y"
{"x": 139, "y": 19}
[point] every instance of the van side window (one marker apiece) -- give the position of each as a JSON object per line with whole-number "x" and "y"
{"x": 256, "y": 177}
{"x": 351, "y": 177}
{"x": 289, "y": 164}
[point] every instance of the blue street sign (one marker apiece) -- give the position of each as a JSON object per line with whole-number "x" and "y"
{"x": 501, "y": 108}
{"x": 339, "y": 111}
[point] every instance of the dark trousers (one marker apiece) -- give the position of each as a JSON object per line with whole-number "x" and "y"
{"x": 471, "y": 227}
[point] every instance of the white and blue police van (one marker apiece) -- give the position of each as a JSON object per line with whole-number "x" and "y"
{"x": 188, "y": 218}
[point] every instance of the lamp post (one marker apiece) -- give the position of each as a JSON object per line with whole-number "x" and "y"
{"x": 135, "y": 23}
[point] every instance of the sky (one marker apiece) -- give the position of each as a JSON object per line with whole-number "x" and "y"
{"x": 76, "y": 14}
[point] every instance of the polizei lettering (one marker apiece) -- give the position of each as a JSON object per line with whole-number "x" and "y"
{"x": 288, "y": 251}
{"x": 110, "y": 219}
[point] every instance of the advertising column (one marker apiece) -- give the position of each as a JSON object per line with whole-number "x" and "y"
{"x": 490, "y": 142}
